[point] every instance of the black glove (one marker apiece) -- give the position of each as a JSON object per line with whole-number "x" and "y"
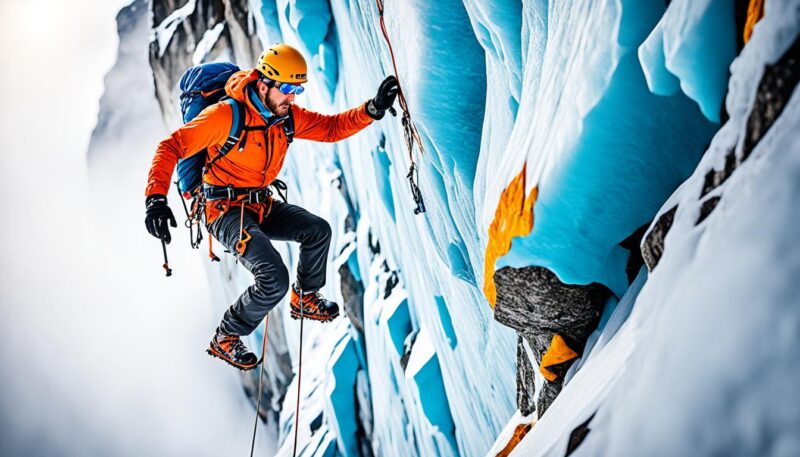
{"x": 387, "y": 93}
{"x": 158, "y": 213}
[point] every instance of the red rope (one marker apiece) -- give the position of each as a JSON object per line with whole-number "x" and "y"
{"x": 409, "y": 129}
{"x": 402, "y": 96}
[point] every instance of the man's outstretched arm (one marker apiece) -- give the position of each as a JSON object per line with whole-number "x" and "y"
{"x": 329, "y": 128}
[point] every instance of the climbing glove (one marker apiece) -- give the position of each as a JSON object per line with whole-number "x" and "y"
{"x": 157, "y": 216}
{"x": 387, "y": 93}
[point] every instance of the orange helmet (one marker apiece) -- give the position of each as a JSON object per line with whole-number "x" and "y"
{"x": 283, "y": 63}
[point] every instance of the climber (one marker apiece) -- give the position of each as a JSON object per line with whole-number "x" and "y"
{"x": 240, "y": 211}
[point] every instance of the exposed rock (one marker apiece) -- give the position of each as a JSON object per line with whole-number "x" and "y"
{"x": 128, "y": 114}
{"x": 526, "y": 389}
{"x": 653, "y": 246}
{"x": 547, "y": 396}
{"x": 578, "y": 435}
{"x": 714, "y": 178}
{"x": 236, "y": 43}
{"x": 242, "y": 33}
{"x": 364, "y": 413}
{"x": 535, "y": 303}
{"x": 353, "y": 297}
{"x": 774, "y": 91}
{"x": 632, "y": 243}
{"x": 408, "y": 345}
{"x": 706, "y": 209}
{"x": 391, "y": 283}
{"x": 772, "y": 95}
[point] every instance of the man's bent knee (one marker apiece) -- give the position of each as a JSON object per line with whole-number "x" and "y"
{"x": 272, "y": 283}
{"x": 321, "y": 228}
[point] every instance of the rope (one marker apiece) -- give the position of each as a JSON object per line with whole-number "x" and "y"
{"x": 260, "y": 378}
{"x": 299, "y": 375}
{"x": 241, "y": 232}
{"x": 409, "y": 129}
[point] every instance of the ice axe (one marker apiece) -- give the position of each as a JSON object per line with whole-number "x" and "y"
{"x": 166, "y": 261}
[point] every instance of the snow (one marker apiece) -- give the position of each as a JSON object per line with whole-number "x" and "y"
{"x": 206, "y": 43}
{"x": 162, "y": 33}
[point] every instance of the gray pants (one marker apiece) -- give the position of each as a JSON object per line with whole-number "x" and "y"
{"x": 285, "y": 222}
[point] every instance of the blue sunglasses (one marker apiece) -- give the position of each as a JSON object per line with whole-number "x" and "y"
{"x": 287, "y": 88}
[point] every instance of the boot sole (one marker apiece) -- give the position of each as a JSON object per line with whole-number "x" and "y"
{"x": 324, "y": 320}
{"x": 230, "y": 362}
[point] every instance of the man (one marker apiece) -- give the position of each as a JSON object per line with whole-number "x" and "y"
{"x": 240, "y": 212}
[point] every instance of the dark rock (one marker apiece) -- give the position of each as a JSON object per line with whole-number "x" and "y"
{"x": 774, "y": 91}
{"x": 632, "y": 243}
{"x": 316, "y": 424}
{"x": 547, "y": 396}
{"x": 707, "y": 208}
{"x": 374, "y": 244}
{"x": 740, "y": 16}
{"x": 237, "y": 41}
{"x": 535, "y": 303}
{"x": 353, "y": 295}
{"x": 578, "y": 435}
{"x": 526, "y": 389}
{"x": 532, "y": 300}
{"x": 365, "y": 420}
{"x": 391, "y": 283}
{"x": 653, "y": 246}
{"x": 714, "y": 178}
{"x": 408, "y": 345}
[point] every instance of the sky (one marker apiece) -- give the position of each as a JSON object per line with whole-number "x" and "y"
{"x": 103, "y": 355}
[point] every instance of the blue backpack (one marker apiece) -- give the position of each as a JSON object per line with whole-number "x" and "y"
{"x": 202, "y": 86}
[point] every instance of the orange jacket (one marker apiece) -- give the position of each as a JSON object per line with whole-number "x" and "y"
{"x": 259, "y": 163}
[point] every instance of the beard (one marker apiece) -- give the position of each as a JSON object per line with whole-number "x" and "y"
{"x": 278, "y": 109}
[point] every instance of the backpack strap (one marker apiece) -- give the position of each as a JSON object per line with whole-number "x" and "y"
{"x": 288, "y": 128}
{"x": 237, "y": 127}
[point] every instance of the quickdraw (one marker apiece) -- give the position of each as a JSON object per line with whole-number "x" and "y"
{"x": 409, "y": 129}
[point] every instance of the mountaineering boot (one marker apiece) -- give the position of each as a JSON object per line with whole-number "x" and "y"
{"x": 231, "y": 350}
{"x": 315, "y": 306}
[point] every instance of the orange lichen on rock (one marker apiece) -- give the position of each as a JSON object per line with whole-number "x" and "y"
{"x": 558, "y": 353}
{"x": 513, "y": 217}
{"x": 755, "y": 11}
{"x": 519, "y": 433}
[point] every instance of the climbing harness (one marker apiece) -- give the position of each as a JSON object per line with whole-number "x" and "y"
{"x": 299, "y": 375}
{"x": 409, "y": 129}
{"x": 243, "y": 196}
{"x": 260, "y": 378}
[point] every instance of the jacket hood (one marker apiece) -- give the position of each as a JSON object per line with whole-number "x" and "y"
{"x": 236, "y": 87}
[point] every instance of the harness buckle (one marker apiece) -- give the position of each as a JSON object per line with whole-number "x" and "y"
{"x": 259, "y": 195}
